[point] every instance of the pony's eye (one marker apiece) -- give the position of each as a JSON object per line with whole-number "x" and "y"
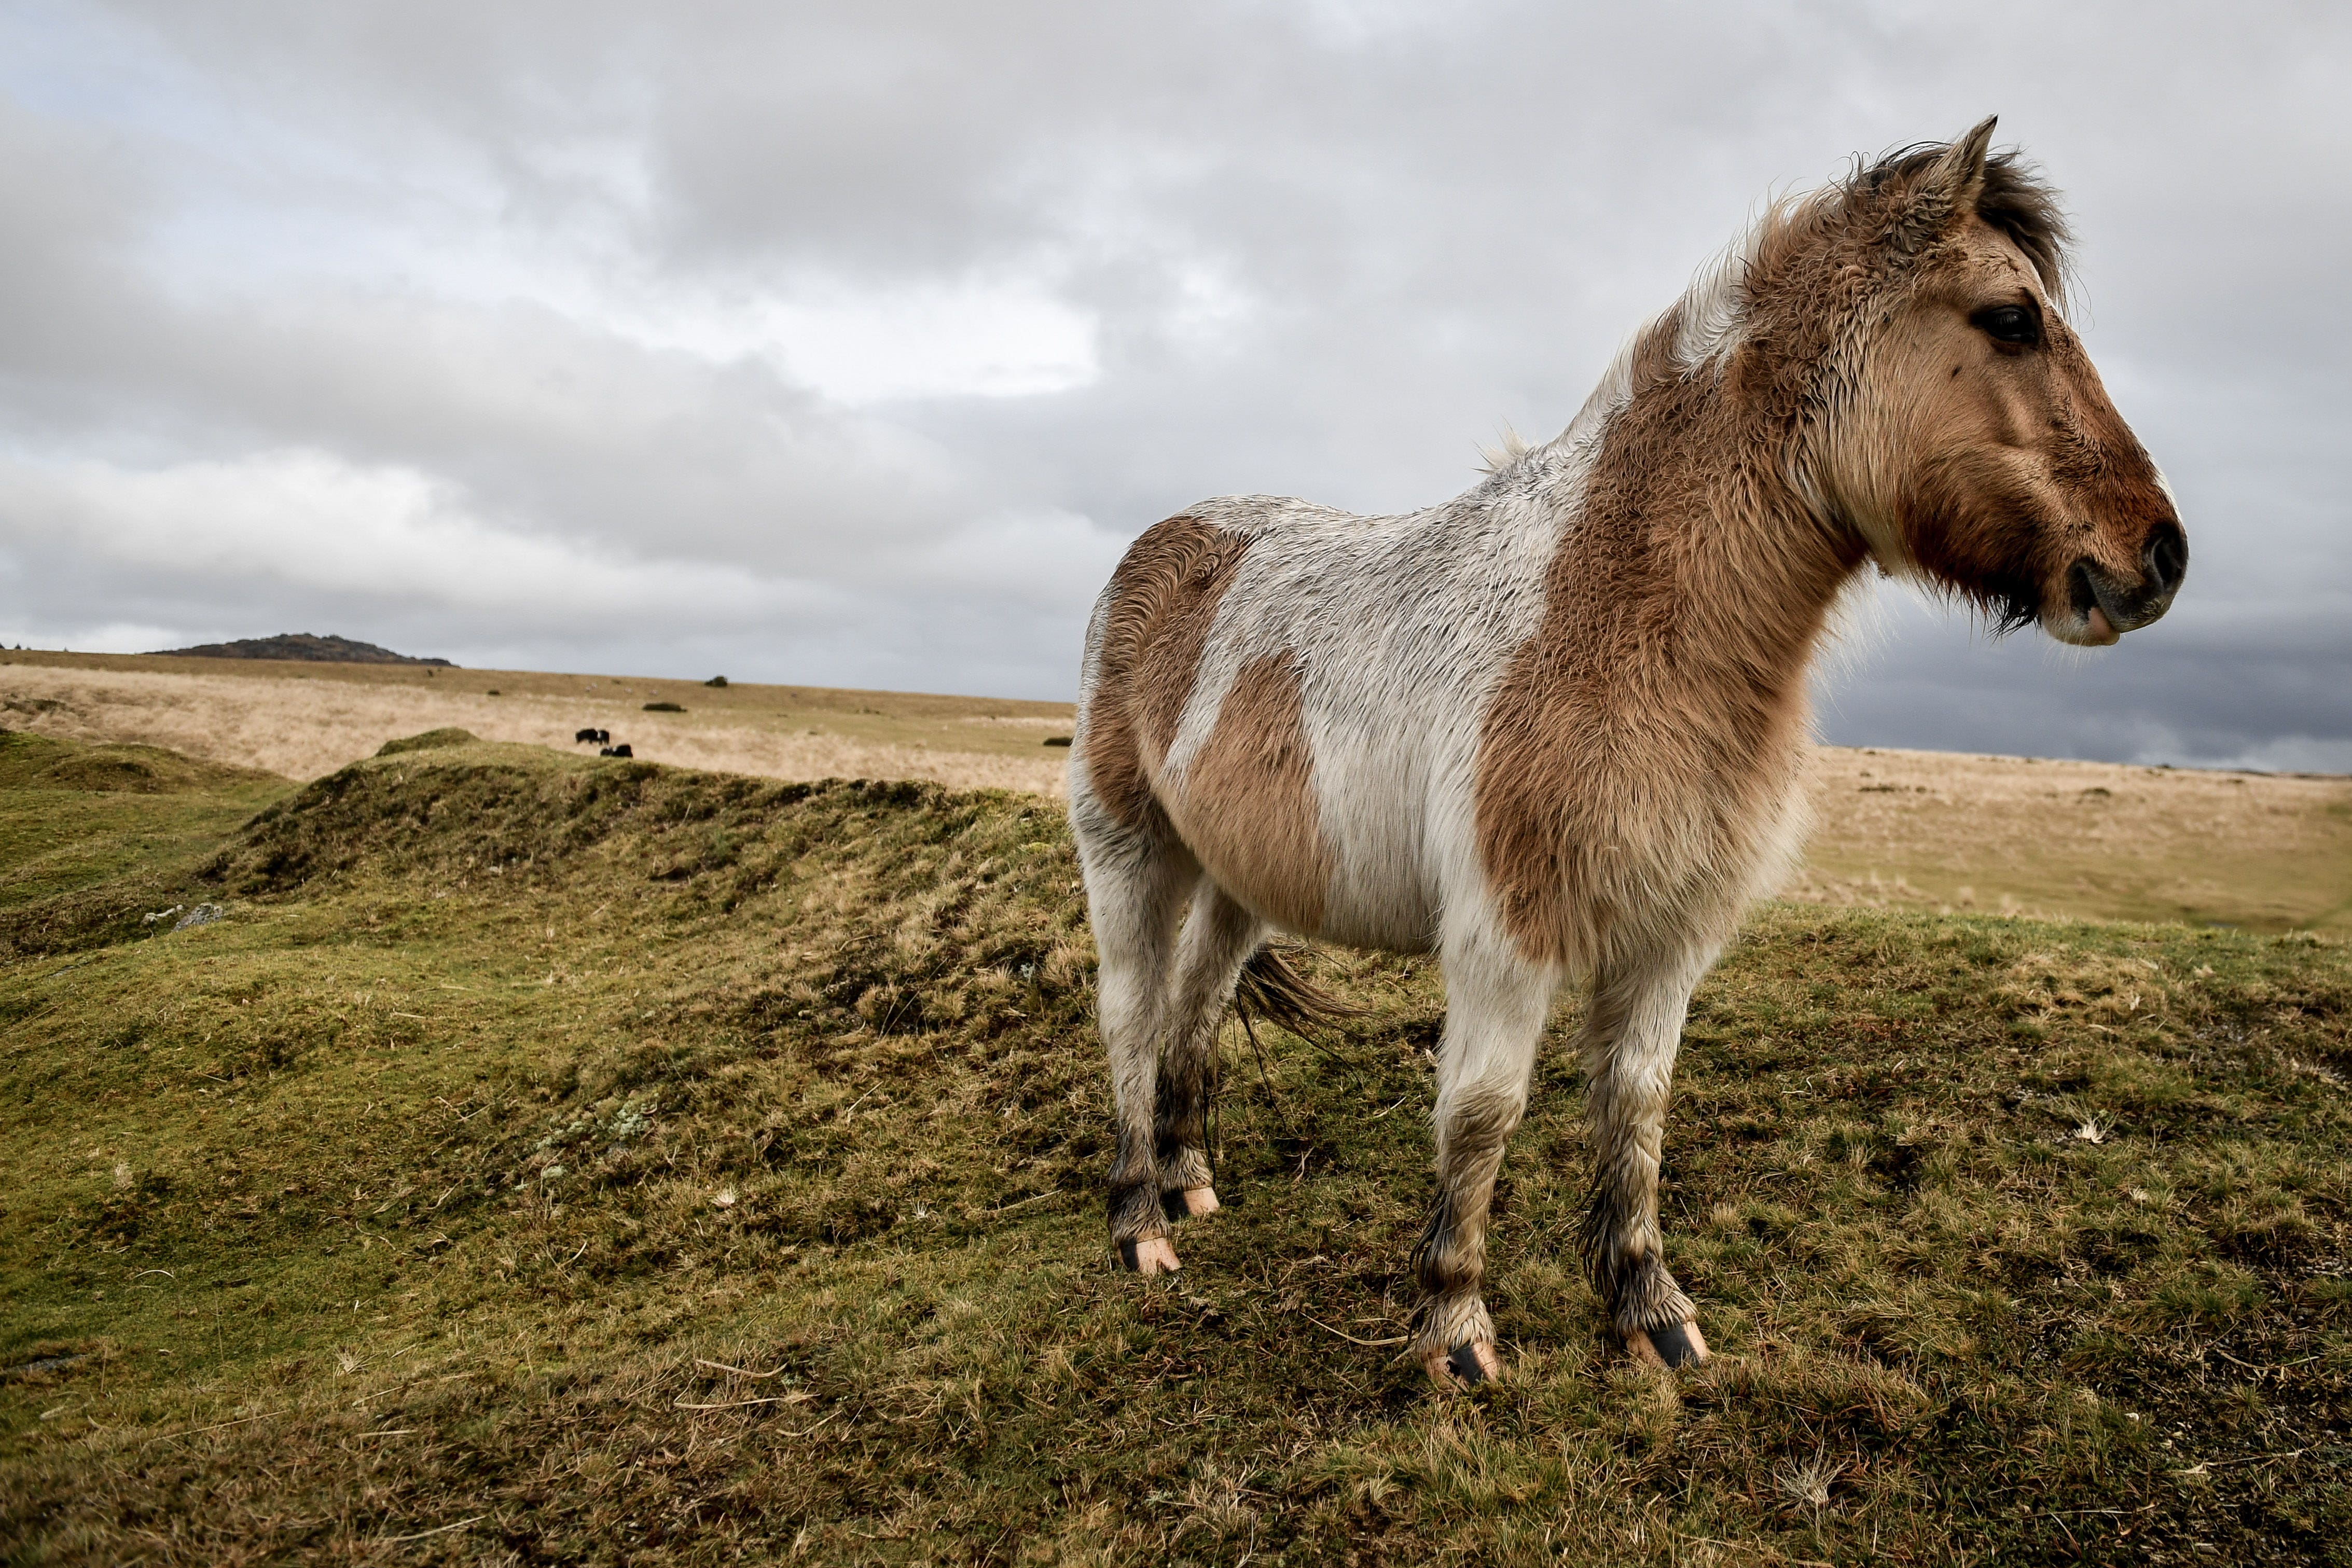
{"x": 2009, "y": 324}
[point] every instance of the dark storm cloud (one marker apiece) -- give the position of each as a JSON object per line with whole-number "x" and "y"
{"x": 850, "y": 347}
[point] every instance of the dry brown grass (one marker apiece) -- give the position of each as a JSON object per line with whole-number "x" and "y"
{"x": 1927, "y": 830}
{"x": 2011, "y": 835}
{"x": 305, "y": 721}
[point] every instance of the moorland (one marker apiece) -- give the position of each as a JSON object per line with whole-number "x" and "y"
{"x": 526, "y": 1157}
{"x": 1911, "y": 830}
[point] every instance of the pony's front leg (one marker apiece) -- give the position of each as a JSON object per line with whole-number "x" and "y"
{"x": 1630, "y": 1038}
{"x": 1496, "y": 1003}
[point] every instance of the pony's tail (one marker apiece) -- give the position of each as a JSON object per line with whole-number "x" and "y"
{"x": 1271, "y": 988}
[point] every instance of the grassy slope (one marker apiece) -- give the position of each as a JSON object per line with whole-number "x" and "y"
{"x": 417, "y": 1195}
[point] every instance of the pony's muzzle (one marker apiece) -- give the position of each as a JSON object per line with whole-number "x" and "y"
{"x": 2097, "y": 597}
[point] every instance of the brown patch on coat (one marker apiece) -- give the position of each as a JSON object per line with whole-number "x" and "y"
{"x": 1163, "y": 600}
{"x": 1246, "y": 800}
{"x": 1640, "y": 743}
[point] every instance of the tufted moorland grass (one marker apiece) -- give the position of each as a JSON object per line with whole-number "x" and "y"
{"x": 549, "y": 1159}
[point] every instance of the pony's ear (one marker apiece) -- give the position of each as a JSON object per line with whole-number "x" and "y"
{"x": 1960, "y": 173}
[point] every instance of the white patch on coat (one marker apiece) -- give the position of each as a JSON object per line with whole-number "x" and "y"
{"x": 1402, "y": 626}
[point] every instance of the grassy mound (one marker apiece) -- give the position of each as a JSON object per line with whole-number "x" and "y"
{"x": 93, "y": 839}
{"x": 430, "y": 740}
{"x": 41, "y": 762}
{"x": 563, "y": 1159}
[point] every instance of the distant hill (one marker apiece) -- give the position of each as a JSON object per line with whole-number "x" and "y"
{"x": 303, "y": 646}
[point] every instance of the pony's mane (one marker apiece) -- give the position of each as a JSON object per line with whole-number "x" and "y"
{"x": 1711, "y": 317}
{"x": 1700, "y": 328}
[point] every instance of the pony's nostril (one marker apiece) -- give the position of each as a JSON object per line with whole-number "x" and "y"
{"x": 2079, "y": 590}
{"x": 2164, "y": 557}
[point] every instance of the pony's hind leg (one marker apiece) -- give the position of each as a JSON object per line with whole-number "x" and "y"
{"x": 1630, "y": 1040}
{"x": 1136, "y": 888}
{"x": 1218, "y": 936}
{"x": 1496, "y": 1007}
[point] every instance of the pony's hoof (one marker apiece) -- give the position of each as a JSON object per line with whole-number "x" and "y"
{"x": 1155, "y": 1255}
{"x": 1676, "y": 1344}
{"x": 1466, "y": 1365}
{"x": 1188, "y": 1203}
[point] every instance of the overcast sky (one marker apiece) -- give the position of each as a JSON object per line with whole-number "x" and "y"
{"x": 850, "y": 344}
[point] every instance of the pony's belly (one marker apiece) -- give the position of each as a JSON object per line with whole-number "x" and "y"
{"x": 1389, "y": 907}
{"x": 1332, "y": 896}
{"x": 1386, "y": 891}
{"x": 1262, "y": 873}
{"x": 1319, "y": 827}
{"x": 1406, "y": 921}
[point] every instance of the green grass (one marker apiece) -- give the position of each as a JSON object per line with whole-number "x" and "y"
{"x": 124, "y": 824}
{"x": 590, "y": 1161}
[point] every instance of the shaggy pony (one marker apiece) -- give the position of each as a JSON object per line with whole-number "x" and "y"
{"x": 1553, "y": 730}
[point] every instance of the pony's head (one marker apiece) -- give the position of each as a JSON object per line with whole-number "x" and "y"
{"x": 1957, "y": 425}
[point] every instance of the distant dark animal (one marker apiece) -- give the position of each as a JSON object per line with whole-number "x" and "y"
{"x": 1554, "y": 730}
{"x": 1057, "y": 740}
{"x": 663, "y": 707}
{"x": 591, "y": 737}
{"x": 621, "y": 750}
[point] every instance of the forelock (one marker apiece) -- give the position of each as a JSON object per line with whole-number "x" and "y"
{"x": 2014, "y": 199}
{"x": 2022, "y": 206}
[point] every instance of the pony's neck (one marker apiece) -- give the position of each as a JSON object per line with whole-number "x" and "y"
{"x": 1766, "y": 566}
{"x": 1691, "y": 515}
